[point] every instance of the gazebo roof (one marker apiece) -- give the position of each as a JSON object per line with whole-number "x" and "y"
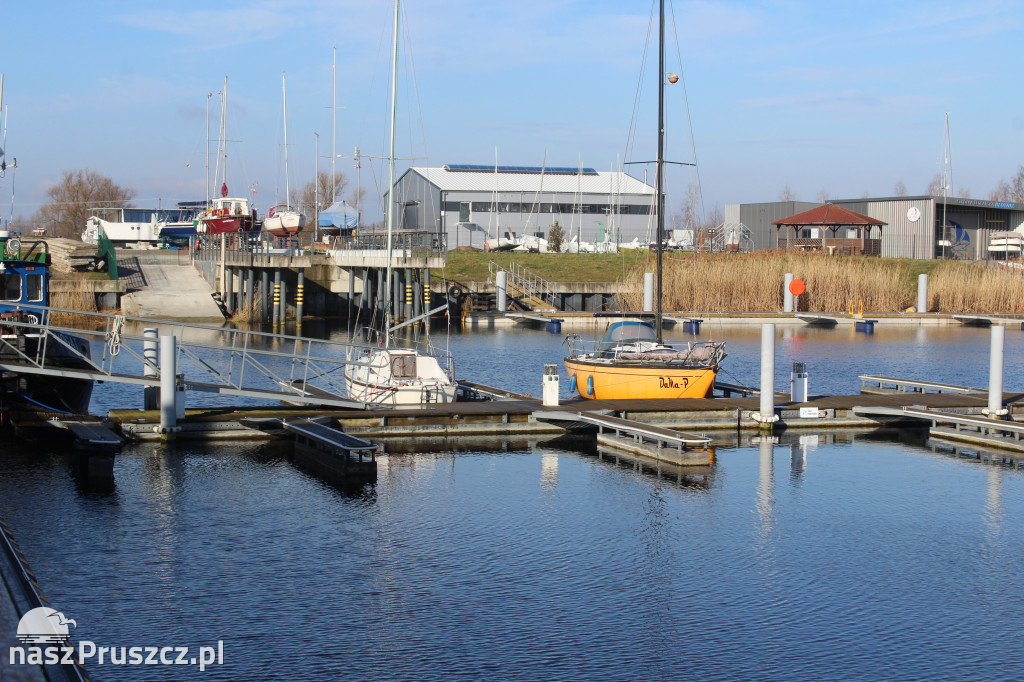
{"x": 829, "y": 215}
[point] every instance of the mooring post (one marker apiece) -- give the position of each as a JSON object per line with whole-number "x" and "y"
{"x": 168, "y": 382}
{"x": 922, "y": 293}
{"x": 787, "y": 295}
{"x": 228, "y": 290}
{"x": 264, "y": 293}
{"x": 284, "y": 303}
{"x": 150, "y": 357}
{"x": 426, "y": 299}
{"x": 299, "y": 300}
{"x": 351, "y": 293}
{"x": 766, "y": 415}
{"x": 995, "y": 374}
{"x": 501, "y": 291}
{"x": 250, "y": 290}
{"x": 276, "y": 308}
{"x": 410, "y": 300}
{"x": 648, "y": 292}
{"x": 550, "y": 392}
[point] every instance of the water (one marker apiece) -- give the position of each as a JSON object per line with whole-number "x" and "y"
{"x": 854, "y": 559}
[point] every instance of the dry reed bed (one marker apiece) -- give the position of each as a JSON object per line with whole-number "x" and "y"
{"x": 753, "y": 283}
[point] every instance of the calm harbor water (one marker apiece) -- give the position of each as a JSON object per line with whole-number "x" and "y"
{"x": 821, "y": 557}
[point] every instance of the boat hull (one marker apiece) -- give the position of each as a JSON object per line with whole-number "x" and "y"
{"x": 399, "y": 377}
{"x": 225, "y": 224}
{"x": 636, "y": 381}
{"x": 37, "y": 391}
{"x": 416, "y": 393}
{"x": 284, "y": 224}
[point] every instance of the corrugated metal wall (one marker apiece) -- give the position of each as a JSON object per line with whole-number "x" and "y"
{"x": 758, "y": 218}
{"x": 902, "y": 237}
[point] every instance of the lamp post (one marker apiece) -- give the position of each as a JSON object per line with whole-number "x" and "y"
{"x": 316, "y": 190}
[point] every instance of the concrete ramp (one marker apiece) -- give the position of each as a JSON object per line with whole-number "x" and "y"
{"x": 167, "y": 290}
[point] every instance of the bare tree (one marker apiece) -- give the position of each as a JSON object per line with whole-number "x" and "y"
{"x": 1010, "y": 191}
{"x": 689, "y": 211}
{"x": 822, "y": 196}
{"x": 1002, "y": 192}
{"x": 714, "y": 219}
{"x": 786, "y": 194}
{"x": 1017, "y": 186}
{"x": 899, "y": 189}
{"x": 304, "y": 198}
{"x": 78, "y": 195}
{"x": 936, "y": 186}
{"x": 964, "y": 192}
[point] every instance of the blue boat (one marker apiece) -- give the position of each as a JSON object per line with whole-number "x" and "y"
{"x": 27, "y": 340}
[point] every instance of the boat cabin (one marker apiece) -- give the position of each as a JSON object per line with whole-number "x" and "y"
{"x": 627, "y": 331}
{"x": 24, "y": 272}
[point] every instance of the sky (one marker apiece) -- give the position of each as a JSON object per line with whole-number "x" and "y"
{"x": 836, "y": 99}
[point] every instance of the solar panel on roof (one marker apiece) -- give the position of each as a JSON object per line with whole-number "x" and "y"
{"x": 533, "y": 170}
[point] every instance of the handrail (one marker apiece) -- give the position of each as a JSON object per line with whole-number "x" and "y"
{"x": 239, "y": 361}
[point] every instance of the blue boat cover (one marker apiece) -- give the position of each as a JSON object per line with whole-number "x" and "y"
{"x": 338, "y": 214}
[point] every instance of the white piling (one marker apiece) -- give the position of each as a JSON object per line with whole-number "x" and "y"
{"x": 787, "y": 295}
{"x": 922, "y": 293}
{"x": 501, "y": 290}
{"x": 168, "y": 380}
{"x": 150, "y": 356}
{"x": 648, "y": 292}
{"x": 995, "y": 373}
{"x": 766, "y": 415}
{"x": 550, "y": 394}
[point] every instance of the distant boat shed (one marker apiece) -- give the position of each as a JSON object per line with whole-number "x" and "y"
{"x": 469, "y": 203}
{"x": 914, "y": 226}
{"x": 850, "y": 231}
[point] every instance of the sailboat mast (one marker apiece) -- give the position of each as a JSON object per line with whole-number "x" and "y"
{"x": 947, "y": 242}
{"x": 390, "y": 208}
{"x": 334, "y": 118}
{"x": 284, "y": 106}
{"x": 658, "y": 176}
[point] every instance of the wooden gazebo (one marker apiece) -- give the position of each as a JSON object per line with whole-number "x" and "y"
{"x": 855, "y": 237}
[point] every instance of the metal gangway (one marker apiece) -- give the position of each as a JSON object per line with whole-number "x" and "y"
{"x": 210, "y": 359}
{"x": 526, "y": 285}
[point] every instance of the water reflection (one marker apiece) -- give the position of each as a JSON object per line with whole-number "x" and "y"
{"x": 765, "y": 503}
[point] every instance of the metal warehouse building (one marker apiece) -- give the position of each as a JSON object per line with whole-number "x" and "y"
{"x": 470, "y": 203}
{"x": 916, "y": 227}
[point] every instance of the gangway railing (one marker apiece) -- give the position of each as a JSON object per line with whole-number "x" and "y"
{"x": 523, "y": 283}
{"x": 215, "y": 359}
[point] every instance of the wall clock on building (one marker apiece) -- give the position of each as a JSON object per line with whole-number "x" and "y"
{"x": 913, "y": 214}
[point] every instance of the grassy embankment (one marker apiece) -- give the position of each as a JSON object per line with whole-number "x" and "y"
{"x": 753, "y": 282}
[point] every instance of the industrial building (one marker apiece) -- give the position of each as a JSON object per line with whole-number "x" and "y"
{"x": 915, "y": 227}
{"x": 471, "y": 203}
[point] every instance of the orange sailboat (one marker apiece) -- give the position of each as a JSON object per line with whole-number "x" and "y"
{"x": 633, "y": 361}
{"x": 630, "y": 362}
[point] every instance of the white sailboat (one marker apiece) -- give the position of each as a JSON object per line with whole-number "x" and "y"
{"x": 388, "y": 375}
{"x": 282, "y": 220}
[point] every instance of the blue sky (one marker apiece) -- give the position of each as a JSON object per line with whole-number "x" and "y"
{"x": 840, "y": 97}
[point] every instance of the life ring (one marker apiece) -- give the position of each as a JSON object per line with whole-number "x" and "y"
{"x": 270, "y": 213}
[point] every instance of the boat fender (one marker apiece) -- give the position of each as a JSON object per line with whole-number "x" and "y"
{"x": 590, "y": 385}
{"x": 572, "y": 383}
